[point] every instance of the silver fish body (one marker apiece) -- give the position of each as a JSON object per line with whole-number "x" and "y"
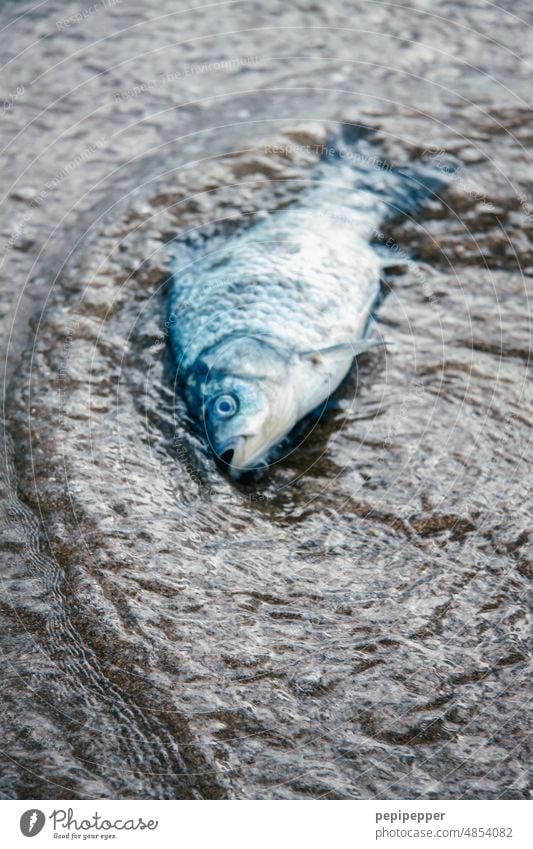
{"x": 265, "y": 325}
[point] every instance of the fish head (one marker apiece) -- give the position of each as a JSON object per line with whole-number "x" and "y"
{"x": 247, "y": 401}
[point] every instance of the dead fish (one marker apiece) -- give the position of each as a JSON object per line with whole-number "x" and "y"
{"x": 264, "y": 325}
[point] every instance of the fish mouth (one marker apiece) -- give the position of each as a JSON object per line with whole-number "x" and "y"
{"x": 227, "y": 456}
{"x": 229, "y": 451}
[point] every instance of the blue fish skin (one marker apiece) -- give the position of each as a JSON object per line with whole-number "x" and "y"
{"x": 265, "y": 325}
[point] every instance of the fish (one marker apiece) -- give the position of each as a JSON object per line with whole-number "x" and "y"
{"x": 264, "y": 324}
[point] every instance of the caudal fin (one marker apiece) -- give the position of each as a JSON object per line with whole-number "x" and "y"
{"x": 403, "y": 188}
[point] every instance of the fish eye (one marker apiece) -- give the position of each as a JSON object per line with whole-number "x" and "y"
{"x": 225, "y": 406}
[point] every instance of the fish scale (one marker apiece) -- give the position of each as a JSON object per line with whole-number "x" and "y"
{"x": 284, "y": 276}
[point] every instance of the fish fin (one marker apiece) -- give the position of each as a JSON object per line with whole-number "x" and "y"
{"x": 390, "y": 258}
{"x": 354, "y": 348}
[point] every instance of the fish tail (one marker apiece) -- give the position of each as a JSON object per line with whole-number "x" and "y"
{"x": 399, "y": 189}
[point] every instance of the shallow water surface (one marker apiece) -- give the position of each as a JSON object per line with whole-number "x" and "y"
{"x": 354, "y": 624}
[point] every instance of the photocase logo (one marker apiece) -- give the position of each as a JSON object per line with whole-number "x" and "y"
{"x": 32, "y": 822}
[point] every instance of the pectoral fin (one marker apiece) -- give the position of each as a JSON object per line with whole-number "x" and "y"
{"x": 353, "y": 348}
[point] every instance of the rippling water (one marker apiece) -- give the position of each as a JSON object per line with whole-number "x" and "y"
{"x": 355, "y": 624}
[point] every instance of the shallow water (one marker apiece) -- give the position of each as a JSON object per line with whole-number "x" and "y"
{"x": 355, "y": 624}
